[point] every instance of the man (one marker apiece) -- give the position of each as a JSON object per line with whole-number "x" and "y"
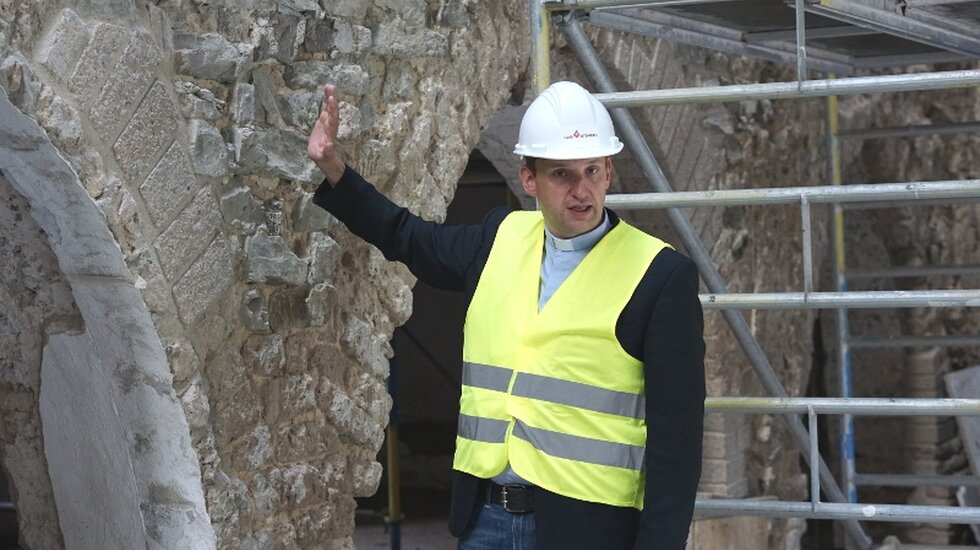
{"x": 582, "y": 405}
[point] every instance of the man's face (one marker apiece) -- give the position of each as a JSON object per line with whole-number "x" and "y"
{"x": 570, "y": 193}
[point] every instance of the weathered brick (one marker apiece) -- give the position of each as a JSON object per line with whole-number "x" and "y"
{"x": 207, "y": 279}
{"x": 180, "y": 243}
{"x": 62, "y": 46}
{"x": 349, "y": 79}
{"x": 99, "y": 56}
{"x": 168, "y": 185}
{"x": 151, "y": 129}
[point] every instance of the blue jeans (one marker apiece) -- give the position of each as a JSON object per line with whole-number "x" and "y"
{"x": 498, "y": 529}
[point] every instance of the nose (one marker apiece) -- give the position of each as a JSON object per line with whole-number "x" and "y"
{"x": 577, "y": 186}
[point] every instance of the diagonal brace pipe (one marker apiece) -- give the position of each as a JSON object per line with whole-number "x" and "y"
{"x": 634, "y": 139}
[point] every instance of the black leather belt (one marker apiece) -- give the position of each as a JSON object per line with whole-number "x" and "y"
{"x": 516, "y": 499}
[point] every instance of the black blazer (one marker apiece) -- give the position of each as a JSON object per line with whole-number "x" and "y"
{"x": 662, "y": 326}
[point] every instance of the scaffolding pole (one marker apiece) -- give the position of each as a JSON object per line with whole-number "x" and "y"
{"x": 865, "y": 342}
{"x": 865, "y": 299}
{"x": 858, "y": 406}
{"x": 791, "y": 90}
{"x": 826, "y": 194}
{"x": 920, "y": 480}
{"x": 699, "y": 253}
{"x": 846, "y": 446}
{"x": 914, "y": 271}
{"x": 911, "y": 131}
{"x": 834, "y": 511}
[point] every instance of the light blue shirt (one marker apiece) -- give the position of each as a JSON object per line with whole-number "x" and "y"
{"x": 561, "y": 257}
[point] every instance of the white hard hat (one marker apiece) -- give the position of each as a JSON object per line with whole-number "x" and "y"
{"x": 566, "y": 122}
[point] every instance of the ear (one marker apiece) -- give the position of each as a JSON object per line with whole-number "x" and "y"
{"x": 527, "y": 181}
{"x": 609, "y": 172}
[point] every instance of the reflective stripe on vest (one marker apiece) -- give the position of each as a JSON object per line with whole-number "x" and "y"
{"x": 552, "y": 392}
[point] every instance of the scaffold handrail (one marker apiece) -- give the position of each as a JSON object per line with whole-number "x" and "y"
{"x": 917, "y": 480}
{"x": 836, "y": 511}
{"x": 855, "y": 299}
{"x": 867, "y": 342}
{"x": 860, "y": 193}
{"x": 911, "y": 131}
{"x": 865, "y": 406}
{"x": 791, "y": 90}
{"x": 897, "y": 272}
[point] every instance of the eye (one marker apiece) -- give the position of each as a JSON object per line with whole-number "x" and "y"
{"x": 560, "y": 173}
{"x": 592, "y": 170}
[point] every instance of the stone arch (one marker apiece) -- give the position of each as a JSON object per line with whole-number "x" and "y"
{"x": 102, "y": 390}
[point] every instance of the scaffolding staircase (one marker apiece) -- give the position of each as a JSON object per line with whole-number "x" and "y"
{"x": 847, "y": 38}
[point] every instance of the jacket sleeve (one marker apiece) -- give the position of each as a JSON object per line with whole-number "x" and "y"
{"x": 438, "y": 254}
{"x": 673, "y": 356}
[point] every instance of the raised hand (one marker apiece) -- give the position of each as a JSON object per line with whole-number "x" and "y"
{"x": 322, "y": 144}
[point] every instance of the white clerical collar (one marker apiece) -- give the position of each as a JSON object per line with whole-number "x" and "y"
{"x": 584, "y": 241}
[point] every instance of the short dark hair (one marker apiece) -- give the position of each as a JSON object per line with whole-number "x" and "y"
{"x": 532, "y": 164}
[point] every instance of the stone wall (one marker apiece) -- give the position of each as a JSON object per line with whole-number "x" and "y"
{"x": 185, "y": 124}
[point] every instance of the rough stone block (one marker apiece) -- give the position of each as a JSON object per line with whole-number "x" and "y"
{"x": 264, "y": 355}
{"x": 269, "y": 260}
{"x": 324, "y": 258}
{"x": 254, "y": 312}
{"x": 350, "y": 420}
{"x": 298, "y": 395}
{"x": 211, "y": 56}
{"x": 204, "y": 281}
{"x": 194, "y": 401}
{"x": 188, "y": 235}
{"x": 312, "y": 75}
{"x": 367, "y": 346}
{"x": 347, "y": 8}
{"x": 266, "y": 106}
{"x": 299, "y": 441}
{"x": 351, "y": 39}
{"x": 208, "y": 150}
{"x": 235, "y": 415}
{"x": 243, "y": 104}
{"x": 169, "y": 185}
{"x": 96, "y": 61}
{"x": 150, "y": 130}
{"x": 412, "y": 12}
{"x": 310, "y": 217}
{"x": 287, "y": 309}
{"x": 366, "y": 477}
{"x": 241, "y": 209}
{"x": 401, "y": 41}
{"x": 321, "y": 303}
{"x": 300, "y": 109}
{"x": 319, "y": 35}
{"x": 400, "y": 82}
{"x": 278, "y": 153}
{"x": 197, "y": 102}
{"x": 329, "y": 361}
{"x": 62, "y": 46}
{"x": 278, "y": 41}
{"x": 321, "y": 524}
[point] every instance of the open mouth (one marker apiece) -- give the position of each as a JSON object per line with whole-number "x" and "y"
{"x": 580, "y": 209}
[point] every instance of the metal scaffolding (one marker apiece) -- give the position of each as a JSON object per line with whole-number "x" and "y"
{"x": 833, "y": 36}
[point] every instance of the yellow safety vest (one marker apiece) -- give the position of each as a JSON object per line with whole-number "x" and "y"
{"x": 554, "y": 393}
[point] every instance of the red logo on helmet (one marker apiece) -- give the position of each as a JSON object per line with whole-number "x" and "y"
{"x": 579, "y": 135}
